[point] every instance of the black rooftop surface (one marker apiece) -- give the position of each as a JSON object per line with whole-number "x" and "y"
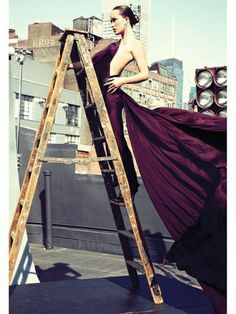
{"x": 84, "y": 282}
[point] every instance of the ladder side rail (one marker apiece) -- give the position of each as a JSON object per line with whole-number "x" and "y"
{"x": 25, "y": 203}
{"x": 90, "y": 112}
{"x": 31, "y": 159}
{"x": 120, "y": 172}
{"x": 33, "y": 151}
{"x": 101, "y": 109}
{"x": 146, "y": 259}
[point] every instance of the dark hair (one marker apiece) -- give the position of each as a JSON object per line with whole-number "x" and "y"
{"x": 127, "y": 12}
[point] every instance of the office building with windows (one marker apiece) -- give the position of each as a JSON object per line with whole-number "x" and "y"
{"x": 192, "y": 93}
{"x": 68, "y": 125}
{"x": 175, "y": 66}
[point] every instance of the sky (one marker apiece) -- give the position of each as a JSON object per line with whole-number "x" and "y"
{"x": 199, "y": 37}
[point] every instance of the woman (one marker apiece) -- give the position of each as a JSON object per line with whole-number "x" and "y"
{"x": 181, "y": 157}
{"x": 122, "y": 21}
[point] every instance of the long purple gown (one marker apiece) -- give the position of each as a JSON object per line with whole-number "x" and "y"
{"x": 181, "y": 156}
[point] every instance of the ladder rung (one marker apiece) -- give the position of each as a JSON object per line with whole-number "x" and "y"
{"x": 114, "y": 202}
{"x": 135, "y": 265}
{"x": 112, "y": 171}
{"x": 89, "y": 106}
{"x": 106, "y": 158}
{"x": 99, "y": 138}
{"x": 126, "y": 234}
{"x": 62, "y": 160}
{"x": 77, "y": 74}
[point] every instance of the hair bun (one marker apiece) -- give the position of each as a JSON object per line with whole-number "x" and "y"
{"x": 126, "y": 11}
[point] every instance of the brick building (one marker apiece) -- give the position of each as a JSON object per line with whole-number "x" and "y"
{"x": 13, "y": 37}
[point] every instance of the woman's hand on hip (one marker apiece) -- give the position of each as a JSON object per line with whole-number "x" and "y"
{"x": 114, "y": 83}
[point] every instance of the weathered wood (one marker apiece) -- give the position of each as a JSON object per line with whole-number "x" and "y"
{"x": 107, "y": 153}
{"x": 69, "y": 161}
{"x": 39, "y": 147}
{"x": 72, "y": 32}
{"x": 97, "y": 97}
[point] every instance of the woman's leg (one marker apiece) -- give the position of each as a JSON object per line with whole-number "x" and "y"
{"x": 114, "y": 107}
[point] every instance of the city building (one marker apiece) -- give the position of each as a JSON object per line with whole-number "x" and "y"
{"x": 43, "y": 39}
{"x": 43, "y": 42}
{"x": 192, "y": 93}
{"x": 13, "y": 37}
{"x": 175, "y": 66}
{"x": 192, "y": 97}
{"x": 164, "y": 84}
{"x": 140, "y": 7}
{"x": 68, "y": 125}
{"x": 92, "y": 25}
{"x": 158, "y": 91}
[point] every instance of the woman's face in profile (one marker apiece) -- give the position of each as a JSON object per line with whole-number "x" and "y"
{"x": 117, "y": 22}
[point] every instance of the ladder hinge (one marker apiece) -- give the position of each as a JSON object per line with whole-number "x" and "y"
{"x": 155, "y": 286}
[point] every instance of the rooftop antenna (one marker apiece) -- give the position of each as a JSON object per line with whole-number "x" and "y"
{"x": 172, "y": 43}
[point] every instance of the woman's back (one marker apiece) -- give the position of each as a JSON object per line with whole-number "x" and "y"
{"x": 122, "y": 57}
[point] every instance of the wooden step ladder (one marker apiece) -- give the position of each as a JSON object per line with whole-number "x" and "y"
{"x": 73, "y": 44}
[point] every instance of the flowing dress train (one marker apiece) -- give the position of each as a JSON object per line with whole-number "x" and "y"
{"x": 181, "y": 156}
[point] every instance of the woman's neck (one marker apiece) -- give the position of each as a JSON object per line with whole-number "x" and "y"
{"x": 127, "y": 35}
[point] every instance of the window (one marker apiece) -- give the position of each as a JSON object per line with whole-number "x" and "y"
{"x": 168, "y": 89}
{"x": 161, "y": 87}
{"x": 52, "y": 138}
{"x": 25, "y": 106}
{"x": 71, "y": 139}
{"x": 72, "y": 115}
{"x": 156, "y": 85}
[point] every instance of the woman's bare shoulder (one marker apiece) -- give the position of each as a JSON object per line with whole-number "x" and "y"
{"x": 135, "y": 44}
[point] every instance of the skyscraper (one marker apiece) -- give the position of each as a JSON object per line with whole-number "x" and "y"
{"x": 140, "y": 7}
{"x": 176, "y": 67}
{"x": 192, "y": 93}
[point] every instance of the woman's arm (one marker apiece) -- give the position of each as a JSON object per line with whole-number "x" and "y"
{"x": 140, "y": 58}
